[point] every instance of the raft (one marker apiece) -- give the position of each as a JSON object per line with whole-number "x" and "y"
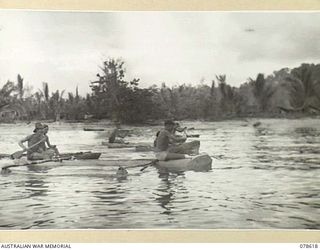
{"x": 200, "y": 163}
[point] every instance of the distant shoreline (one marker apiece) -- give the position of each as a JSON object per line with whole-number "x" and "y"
{"x": 160, "y": 122}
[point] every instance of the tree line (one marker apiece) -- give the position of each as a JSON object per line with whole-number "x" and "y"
{"x": 285, "y": 92}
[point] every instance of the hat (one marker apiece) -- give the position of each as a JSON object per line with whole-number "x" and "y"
{"x": 169, "y": 122}
{"x": 38, "y": 126}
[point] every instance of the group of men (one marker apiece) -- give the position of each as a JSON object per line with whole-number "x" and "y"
{"x": 38, "y": 144}
{"x": 166, "y": 143}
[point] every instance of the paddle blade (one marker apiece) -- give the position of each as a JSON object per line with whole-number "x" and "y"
{"x": 17, "y": 155}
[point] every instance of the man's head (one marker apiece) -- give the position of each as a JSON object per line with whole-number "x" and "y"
{"x": 117, "y": 124}
{"x": 45, "y": 128}
{"x": 169, "y": 125}
{"x": 178, "y": 128}
{"x": 38, "y": 127}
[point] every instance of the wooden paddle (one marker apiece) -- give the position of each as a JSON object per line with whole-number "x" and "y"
{"x": 19, "y": 154}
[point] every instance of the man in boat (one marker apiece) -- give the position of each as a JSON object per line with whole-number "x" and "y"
{"x": 162, "y": 143}
{"x": 36, "y": 149}
{"x": 176, "y": 128}
{"x": 51, "y": 150}
{"x": 113, "y": 136}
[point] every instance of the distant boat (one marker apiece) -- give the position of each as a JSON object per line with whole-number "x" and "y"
{"x": 93, "y": 129}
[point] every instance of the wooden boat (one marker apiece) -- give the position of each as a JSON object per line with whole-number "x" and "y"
{"x": 122, "y": 133}
{"x": 118, "y": 145}
{"x": 93, "y": 129}
{"x": 190, "y": 148}
{"x": 82, "y": 155}
{"x": 88, "y": 155}
{"x": 124, "y": 145}
{"x": 144, "y": 148}
{"x": 193, "y": 136}
{"x": 8, "y": 164}
{"x": 198, "y": 163}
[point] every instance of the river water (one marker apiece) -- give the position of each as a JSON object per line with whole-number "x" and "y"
{"x": 263, "y": 177}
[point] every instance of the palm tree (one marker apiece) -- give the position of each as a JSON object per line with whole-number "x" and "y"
{"x": 303, "y": 88}
{"x": 56, "y": 104}
{"x": 262, "y": 92}
{"x": 20, "y": 86}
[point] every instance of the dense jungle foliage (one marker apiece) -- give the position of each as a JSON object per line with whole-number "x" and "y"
{"x": 287, "y": 92}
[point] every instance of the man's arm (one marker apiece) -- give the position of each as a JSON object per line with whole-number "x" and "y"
{"x": 176, "y": 139}
{"x": 48, "y": 143}
{"x": 20, "y": 143}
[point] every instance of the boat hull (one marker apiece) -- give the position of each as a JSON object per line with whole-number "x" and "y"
{"x": 200, "y": 163}
{"x": 83, "y": 155}
{"x": 189, "y": 148}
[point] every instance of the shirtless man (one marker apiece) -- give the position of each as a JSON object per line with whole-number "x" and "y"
{"x": 36, "y": 149}
{"x": 162, "y": 143}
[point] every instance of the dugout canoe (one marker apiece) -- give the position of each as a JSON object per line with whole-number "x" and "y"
{"x": 93, "y": 129}
{"x": 190, "y": 148}
{"x": 117, "y": 145}
{"x": 88, "y": 155}
{"x": 7, "y": 164}
{"x": 193, "y": 136}
{"x": 200, "y": 163}
{"x": 82, "y": 155}
{"x": 124, "y": 145}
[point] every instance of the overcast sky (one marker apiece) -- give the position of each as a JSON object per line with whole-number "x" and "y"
{"x": 66, "y": 48}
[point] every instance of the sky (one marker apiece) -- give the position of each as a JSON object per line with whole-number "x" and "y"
{"x": 65, "y": 49}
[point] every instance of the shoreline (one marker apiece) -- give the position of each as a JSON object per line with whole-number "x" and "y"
{"x": 159, "y": 122}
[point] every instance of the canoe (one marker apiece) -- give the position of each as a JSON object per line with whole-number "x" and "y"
{"x": 124, "y": 145}
{"x": 190, "y": 148}
{"x": 193, "y": 136}
{"x": 117, "y": 145}
{"x": 198, "y": 163}
{"x": 93, "y": 129}
{"x": 144, "y": 148}
{"x": 122, "y": 133}
{"x": 7, "y": 165}
{"x": 82, "y": 155}
{"x": 77, "y": 155}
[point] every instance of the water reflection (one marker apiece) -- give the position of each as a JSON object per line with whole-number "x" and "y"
{"x": 169, "y": 189}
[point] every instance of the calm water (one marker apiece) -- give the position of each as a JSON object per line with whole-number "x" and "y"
{"x": 264, "y": 177}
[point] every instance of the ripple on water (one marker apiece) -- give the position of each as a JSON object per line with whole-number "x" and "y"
{"x": 264, "y": 177}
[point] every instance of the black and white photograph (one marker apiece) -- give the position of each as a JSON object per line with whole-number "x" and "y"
{"x": 159, "y": 120}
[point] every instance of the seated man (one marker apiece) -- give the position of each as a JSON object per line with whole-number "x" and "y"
{"x": 36, "y": 149}
{"x": 162, "y": 143}
{"x": 113, "y": 136}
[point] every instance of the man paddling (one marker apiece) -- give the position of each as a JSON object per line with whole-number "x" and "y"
{"x": 113, "y": 136}
{"x": 36, "y": 149}
{"x": 162, "y": 143}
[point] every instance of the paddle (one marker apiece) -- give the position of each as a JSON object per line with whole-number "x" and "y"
{"x": 5, "y": 169}
{"x": 19, "y": 154}
{"x": 143, "y": 165}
